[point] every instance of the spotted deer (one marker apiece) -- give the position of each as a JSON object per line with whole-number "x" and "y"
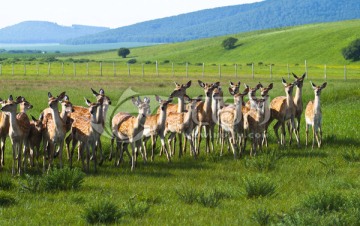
{"x": 80, "y": 111}
{"x": 230, "y": 120}
{"x": 85, "y": 131}
{"x": 4, "y": 131}
{"x": 54, "y": 131}
{"x": 155, "y": 126}
{"x": 183, "y": 123}
{"x": 24, "y": 105}
{"x": 204, "y": 116}
{"x": 179, "y": 92}
{"x": 313, "y": 115}
{"x": 18, "y": 132}
{"x": 129, "y": 129}
{"x": 282, "y": 109}
{"x": 35, "y": 137}
{"x": 254, "y": 124}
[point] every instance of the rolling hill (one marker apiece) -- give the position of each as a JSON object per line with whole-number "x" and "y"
{"x": 229, "y": 20}
{"x": 44, "y": 32}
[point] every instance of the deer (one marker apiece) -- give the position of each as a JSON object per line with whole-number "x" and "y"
{"x": 298, "y": 101}
{"x": 35, "y": 137}
{"x": 230, "y": 120}
{"x": 254, "y": 124}
{"x": 4, "y": 131}
{"x": 155, "y": 126}
{"x": 183, "y": 123}
{"x": 264, "y": 91}
{"x": 54, "y": 131}
{"x": 19, "y": 132}
{"x": 313, "y": 116}
{"x": 85, "y": 131}
{"x": 250, "y": 104}
{"x": 80, "y": 111}
{"x": 282, "y": 109}
{"x": 204, "y": 116}
{"x": 129, "y": 129}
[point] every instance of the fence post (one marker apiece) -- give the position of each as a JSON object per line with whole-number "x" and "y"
{"x": 252, "y": 70}
{"x": 203, "y": 69}
{"x": 62, "y": 68}
{"x": 74, "y": 69}
{"x": 325, "y": 72}
{"x": 24, "y": 68}
{"x": 37, "y": 68}
{"x": 12, "y": 68}
{"x": 100, "y": 68}
{"x": 87, "y": 69}
{"x": 114, "y": 68}
{"x": 345, "y": 72}
{"x": 128, "y": 65}
{"x": 142, "y": 67}
{"x": 271, "y": 71}
{"x": 288, "y": 70}
{"x": 306, "y": 69}
{"x": 186, "y": 69}
{"x": 172, "y": 69}
{"x": 157, "y": 69}
{"x": 49, "y": 66}
{"x": 235, "y": 70}
{"x": 219, "y": 70}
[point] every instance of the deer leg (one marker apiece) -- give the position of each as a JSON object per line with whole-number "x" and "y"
{"x": 298, "y": 126}
{"x": 112, "y": 147}
{"x": 180, "y": 145}
{"x": 93, "y": 147}
{"x": 191, "y": 141}
{"x": 222, "y": 138}
{"x": 294, "y": 129}
{"x": 170, "y": 139}
{"x": 198, "y": 139}
{"x": 316, "y": 130}
{"x": 185, "y": 146}
{"x": 133, "y": 158}
{"x": 163, "y": 145}
{"x": 233, "y": 144}
{"x": 313, "y": 129}
{"x": 2, "y": 149}
{"x": 320, "y": 131}
{"x": 87, "y": 158}
{"x": 283, "y": 141}
{"x": 67, "y": 143}
{"x": 98, "y": 144}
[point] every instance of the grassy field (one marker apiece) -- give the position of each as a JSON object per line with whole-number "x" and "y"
{"x": 286, "y": 186}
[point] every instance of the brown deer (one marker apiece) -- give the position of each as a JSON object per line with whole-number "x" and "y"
{"x": 254, "y": 124}
{"x": 85, "y": 131}
{"x": 251, "y": 103}
{"x": 54, "y": 131}
{"x": 313, "y": 115}
{"x": 230, "y": 120}
{"x": 264, "y": 91}
{"x": 80, "y": 111}
{"x": 155, "y": 126}
{"x": 4, "y": 131}
{"x": 129, "y": 129}
{"x": 183, "y": 123}
{"x": 35, "y": 137}
{"x": 204, "y": 116}
{"x": 18, "y": 132}
{"x": 179, "y": 92}
{"x": 282, "y": 109}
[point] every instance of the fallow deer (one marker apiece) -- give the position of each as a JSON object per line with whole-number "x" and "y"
{"x": 230, "y": 120}
{"x": 313, "y": 115}
{"x": 129, "y": 129}
{"x": 35, "y": 137}
{"x": 282, "y": 109}
{"x": 155, "y": 126}
{"x": 54, "y": 131}
{"x": 254, "y": 124}
{"x": 183, "y": 123}
{"x": 204, "y": 116}
{"x": 264, "y": 91}
{"x": 18, "y": 132}
{"x": 24, "y": 105}
{"x": 85, "y": 131}
{"x": 4, "y": 131}
{"x": 252, "y": 97}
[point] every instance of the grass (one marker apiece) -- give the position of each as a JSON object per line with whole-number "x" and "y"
{"x": 154, "y": 190}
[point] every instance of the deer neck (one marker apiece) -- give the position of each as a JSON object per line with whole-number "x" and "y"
{"x": 63, "y": 113}
{"x": 207, "y": 104}
{"x": 56, "y": 117}
{"x": 14, "y": 127}
{"x": 104, "y": 108}
{"x": 181, "y": 105}
{"x": 161, "y": 118}
{"x": 188, "y": 117}
{"x": 96, "y": 121}
{"x": 238, "y": 112}
{"x": 289, "y": 100}
{"x": 214, "y": 108}
{"x": 317, "y": 108}
{"x": 298, "y": 97}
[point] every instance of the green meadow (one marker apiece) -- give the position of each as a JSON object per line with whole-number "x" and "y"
{"x": 279, "y": 186}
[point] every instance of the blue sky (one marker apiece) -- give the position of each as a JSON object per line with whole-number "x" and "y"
{"x": 107, "y": 13}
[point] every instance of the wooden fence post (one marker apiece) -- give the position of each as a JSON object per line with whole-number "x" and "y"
{"x": 49, "y": 66}
{"x": 325, "y": 75}
{"x": 306, "y": 69}
{"x": 271, "y": 71}
{"x": 288, "y": 70}
{"x": 128, "y": 66}
{"x": 114, "y": 68}
{"x": 252, "y": 70}
{"x": 142, "y": 66}
{"x": 100, "y": 68}
{"x": 345, "y": 72}
{"x": 62, "y": 68}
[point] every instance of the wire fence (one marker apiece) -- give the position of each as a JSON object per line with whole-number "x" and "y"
{"x": 240, "y": 70}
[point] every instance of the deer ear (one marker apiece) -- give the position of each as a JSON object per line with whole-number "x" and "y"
{"x": 188, "y": 84}
{"x": 232, "y": 92}
{"x": 101, "y": 91}
{"x": 271, "y": 85}
{"x": 94, "y": 92}
{"x": 313, "y": 85}
{"x": 201, "y": 83}
{"x": 33, "y": 118}
{"x": 246, "y": 91}
{"x": 239, "y": 83}
{"x": 49, "y": 95}
{"x": 231, "y": 83}
{"x": 259, "y": 85}
{"x": 295, "y": 76}
{"x": 303, "y": 76}
{"x": 323, "y": 85}
{"x": 135, "y": 101}
{"x": 157, "y": 98}
{"x": 87, "y": 102}
{"x": 284, "y": 82}
{"x": 41, "y": 117}
{"x": 146, "y": 100}
{"x": 61, "y": 96}
{"x": 66, "y": 97}
{"x": 199, "y": 98}
{"x": 246, "y": 86}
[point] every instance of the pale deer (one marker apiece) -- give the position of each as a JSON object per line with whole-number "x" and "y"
{"x": 54, "y": 131}
{"x": 155, "y": 126}
{"x": 298, "y": 101}
{"x": 254, "y": 124}
{"x": 80, "y": 111}
{"x": 129, "y": 129}
{"x": 85, "y": 131}
{"x": 204, "y": 117}
{"x": 4, "y": 131}
{"x": 251, "y": 103}
{"x": 35, "y": 137}
{"x": 24, "y": 105}
{"x": 230, "y": 120}
{"x": 264, "y": 91}
{"x": 18, "y": 132}
{"x": 313, "y": 115}
{"x": 183, "y": 123}
{"x": 282, "y": 109}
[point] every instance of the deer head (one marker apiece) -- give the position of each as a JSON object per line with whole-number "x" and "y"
{"x": 180, "y": 89}
{"x": 299, "y": 80}
{"x": 317, "y": 89}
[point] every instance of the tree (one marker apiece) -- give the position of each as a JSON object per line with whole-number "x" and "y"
{"x": 123, "y": 52}
{"x": 352, "y": 52}
{"x": 229, "y": 43}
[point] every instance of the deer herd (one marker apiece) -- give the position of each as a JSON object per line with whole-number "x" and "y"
{"x": 82, "y": 127}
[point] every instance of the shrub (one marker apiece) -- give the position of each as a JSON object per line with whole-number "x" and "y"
{"x": 229, "y": 43}
{"x": 211, "y": 199}
{"x": 351, "y": 156}
{"x": 33, "y": 184}
{"x": 6, "y": 200}
{"x": 63, "y": 179}
{"x": 188, "y": 197}
{"x": 6, "y": 183}
{"x": 131, "y": 61}
{"x": 261, "y": 216}
{"x": 259, "y": 187}
{"x": 325, "y": 201}
{"x": 136, "y": 208}
{"x": 266, "y": 162}
{"x": 352, "y": 51}
{"x": 123, "y": 52}
{"x": 103, "y": 212}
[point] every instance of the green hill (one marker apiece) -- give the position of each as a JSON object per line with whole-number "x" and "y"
{"x": 316, "y": 43}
